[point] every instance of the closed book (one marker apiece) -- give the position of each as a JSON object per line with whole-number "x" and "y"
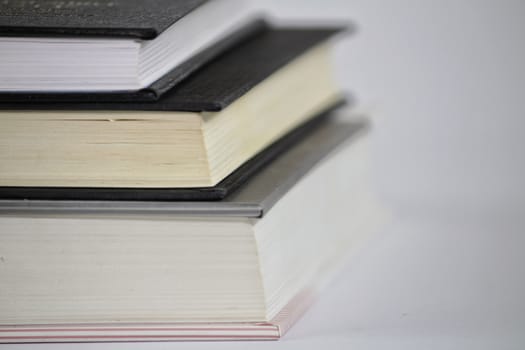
{"x": 113, "y": 50}
{"x": 218, "y": 192}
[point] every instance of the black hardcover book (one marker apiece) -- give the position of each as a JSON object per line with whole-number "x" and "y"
{"x": 112, "y": 49}
{"x": 216, "y": 85}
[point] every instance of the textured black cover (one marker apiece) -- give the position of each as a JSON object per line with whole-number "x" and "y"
{"x": 218, "y": 192}
{"x": 143, "y": 19}
{"x": 211, "y": 88}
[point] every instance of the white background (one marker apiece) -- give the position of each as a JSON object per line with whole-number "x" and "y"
{"x": 444, "y": 82}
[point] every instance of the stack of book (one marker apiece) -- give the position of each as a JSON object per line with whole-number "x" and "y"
{"x": 169, "y": 170}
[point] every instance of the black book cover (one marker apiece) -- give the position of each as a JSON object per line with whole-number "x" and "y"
{"x": 141, "y": 19}
{"x": 212, "y": 88}
{"x": 218, "y": 192}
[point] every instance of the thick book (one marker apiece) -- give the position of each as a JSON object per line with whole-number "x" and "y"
{"x": 113, "y": 50}
{"x": 243, "y": 268}
{"x": 194, "y": 137}
{"x": 218, "y": 192}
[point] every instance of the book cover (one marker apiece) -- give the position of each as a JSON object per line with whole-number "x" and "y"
{"x": 108, "y": 18}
